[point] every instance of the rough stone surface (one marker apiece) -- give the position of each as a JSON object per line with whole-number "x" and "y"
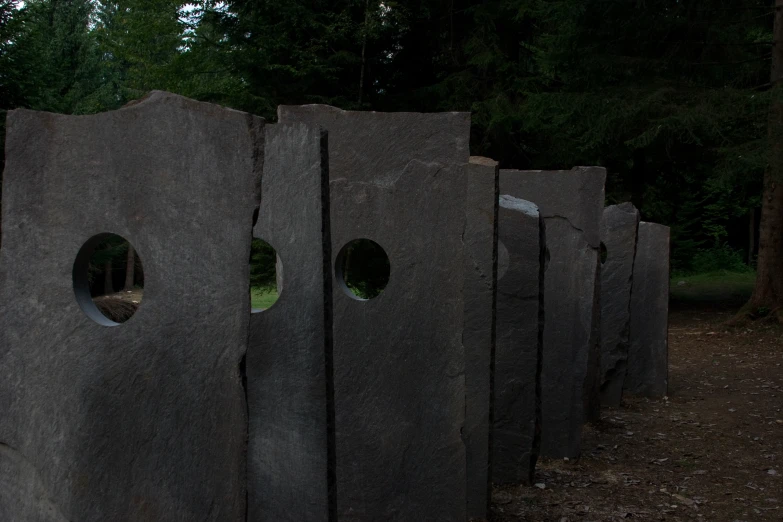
{"x": 520, "y": 330}
{"x": 145, "y": 420}
{"x": 478, "y": 334}
{"x": 571, "y": 204}
{"x": 618, "y": 235}
{"x": 375, "y": 147}
{"x": 399, "y": 367}
{"x": 289, "y": 351}
{"x": 648, "y": 354}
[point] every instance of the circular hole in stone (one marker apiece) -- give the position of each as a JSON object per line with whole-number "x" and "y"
{"x": 604, "y": 253}
{"x": 362, "y": 269}
{"x": 504, "y": 260}
{"x": 108, "y": 279}
{"x": 266, "y": 276}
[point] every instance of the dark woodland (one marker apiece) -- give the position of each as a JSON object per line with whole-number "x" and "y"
{"x": 677, "y": 99}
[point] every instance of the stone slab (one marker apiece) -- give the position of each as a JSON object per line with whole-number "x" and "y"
{"x": 520, "y": 335}
{"x": 399, "y": 364}
{"x": 571, "y": 204}
{"x": 145, "y": 420}
{"x": 648, "y": 353}
{"x": 290, "y": 445}
{"x": 618, "y": 235}
{"x": 478, "y": 335}
{"x": 380, "y": 144}
{"x": 518, "y": 353}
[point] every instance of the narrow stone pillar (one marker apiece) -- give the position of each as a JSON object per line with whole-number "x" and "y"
{"x": 618, "y": 236}
{"x": 520, "y": 331}
{"x": 289, "y": 354}
{"x": 478, "y": 336}
{"x": 571, "y": 204}
{"x": 648, "y": 354}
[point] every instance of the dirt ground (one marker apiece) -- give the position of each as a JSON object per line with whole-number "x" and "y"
{"x": 712, "y": 450}
{"x": 132, "y": 296}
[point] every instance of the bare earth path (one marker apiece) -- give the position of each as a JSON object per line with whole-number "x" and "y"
{"x": 712, "y": 451}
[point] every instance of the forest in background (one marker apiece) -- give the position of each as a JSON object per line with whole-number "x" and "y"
{"x": 671, "y": 96}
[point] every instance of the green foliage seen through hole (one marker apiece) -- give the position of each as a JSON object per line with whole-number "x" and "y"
{"x": 264, "y": 290}
{"x": 364, "y": 268}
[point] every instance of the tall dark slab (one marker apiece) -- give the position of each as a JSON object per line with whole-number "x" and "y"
{"x": 618, "y": 236}
{"x": 144, "y": 420}
{"x": 571, "y": 204}
{"x": 399, "y": 364}
{"x": 478, "y": 336}
{"x": 290, "y": 447}
{"x": 648, "y": 353}
{"x": 520, "y": 332}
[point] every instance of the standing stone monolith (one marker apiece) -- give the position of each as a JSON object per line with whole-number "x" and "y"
{"x": 290, "y": 446}
{"x": 571, "y": 204}
{"x": 478, "y": 336}
{"x": 618, "y": 237}
{"x": 144, "y": 420}
{"x": 399, "y": 180}
{"x": 648, "y": 353}
{"x": 520, "y": 332}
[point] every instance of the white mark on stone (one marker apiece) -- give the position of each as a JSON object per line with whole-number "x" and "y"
{"x": 521, "y": 205}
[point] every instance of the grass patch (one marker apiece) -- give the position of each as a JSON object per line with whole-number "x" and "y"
{"x": 262, "y": 298}
{"x": 719, "y": 286}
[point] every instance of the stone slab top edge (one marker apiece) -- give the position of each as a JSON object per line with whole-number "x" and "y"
{"x": 158, "y": 97}
{"x": 481, "y": 160}
{"x": 576, "y": 195}
{"x": 282, "y": 109}
{"x": 561, "y": 171}
{"x": 626, "y": 207}
{"x": 654, "y": 225}
{"x": 155, "y": 100}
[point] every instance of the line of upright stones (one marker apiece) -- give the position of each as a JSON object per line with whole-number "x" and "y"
{"x": 501, "y": 331}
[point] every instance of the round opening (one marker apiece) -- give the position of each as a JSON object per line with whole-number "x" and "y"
{"x": 504, "y": 260}
{"x": 266, "y": 276}
{"x": 362, "y": 269}
{"x": 108, "y": 279}
{"x": 604, "y": 253}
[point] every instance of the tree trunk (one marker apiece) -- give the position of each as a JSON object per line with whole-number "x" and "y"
{"x": 130, "y": 269}
{"x": 364, "y": 48}
{"x": 108, "y": 285}
{"x": 751, "y": 236}
{"x": 767, "y": 294}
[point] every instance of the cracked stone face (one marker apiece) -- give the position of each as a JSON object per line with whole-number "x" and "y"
{"x": 618, "y": 234}
{"x": 290, "y": 343}
{"x": 399, "y": 180}
{"x": 648, "y": 353}
{"x": 520, "y": 330}
{"x": 145, "y": 420}
{"x": 571, "y": 204}
{"x": 478, "y": 334}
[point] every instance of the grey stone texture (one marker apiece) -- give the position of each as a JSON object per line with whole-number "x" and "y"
{"x": 478, "y": 336}
{"x": 518, "y": 353}
{"x": 648, "y": 354}
{"x": 618, "y": 234}
{"x": 571, "y": 204}
{"x": 399, "y": 365}
{"x": 145, "y": 420}
{"x": 290, "y": 456}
